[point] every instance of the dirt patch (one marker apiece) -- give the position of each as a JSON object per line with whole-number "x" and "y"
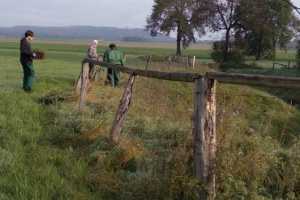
{"x": 51, "y": 100}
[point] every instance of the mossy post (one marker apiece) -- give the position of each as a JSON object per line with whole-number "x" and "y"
{"x": 123, "y": 109}
{"x": 205, "y": 137}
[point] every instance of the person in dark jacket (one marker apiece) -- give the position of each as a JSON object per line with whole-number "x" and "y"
{"x": 113, "y": 56}
{"x": 26, "y": 59}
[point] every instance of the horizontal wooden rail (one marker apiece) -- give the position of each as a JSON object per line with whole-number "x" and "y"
{"x": 204, "y": 116}
{"x": 280, "y": 64}
{"x": 222, "y": 77}
{"x": 257, "y": 80}
{"x": 172, "y": 76}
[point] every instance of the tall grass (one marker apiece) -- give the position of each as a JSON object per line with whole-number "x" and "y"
{"x": 51, "y": 152}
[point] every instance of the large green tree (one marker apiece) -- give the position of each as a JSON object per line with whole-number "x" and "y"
{"x": 174, "y": 16}
{"x": 265, "y": 23}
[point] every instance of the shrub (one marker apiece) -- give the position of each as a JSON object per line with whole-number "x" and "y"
{"x": 234, "y": 55}
{"x": 218, "y": 49}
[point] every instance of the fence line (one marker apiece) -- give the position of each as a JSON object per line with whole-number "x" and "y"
{"x": 204, "y": 111}
{"x": 257, "y": 80}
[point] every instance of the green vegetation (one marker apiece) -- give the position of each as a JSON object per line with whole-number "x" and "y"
{"x": 175, "y": 16}
{"x": 48, "y": 151}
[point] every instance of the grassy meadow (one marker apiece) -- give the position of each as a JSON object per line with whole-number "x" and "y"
{"x": 49, "y": 151}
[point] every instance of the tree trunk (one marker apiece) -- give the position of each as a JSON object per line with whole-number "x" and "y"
{"x": 178, "y": 51}
{"x": 226, "y": 45}
{"x": 259, "y": 50}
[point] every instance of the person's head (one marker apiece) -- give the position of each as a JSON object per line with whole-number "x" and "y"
{"x": 112, "y": 46}
{"x": 95, "y": 42}
{"x": 29, "y": 34}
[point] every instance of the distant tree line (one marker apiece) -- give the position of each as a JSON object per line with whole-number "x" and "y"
{"x": 85, "y": 33}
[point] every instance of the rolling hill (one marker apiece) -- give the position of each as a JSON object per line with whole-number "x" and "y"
{"x": 89, "y": 33}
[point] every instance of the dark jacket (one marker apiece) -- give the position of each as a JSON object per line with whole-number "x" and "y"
{"x": 26, "y": 54}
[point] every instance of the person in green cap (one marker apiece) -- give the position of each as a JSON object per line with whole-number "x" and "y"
{"x": 115, "y": 57}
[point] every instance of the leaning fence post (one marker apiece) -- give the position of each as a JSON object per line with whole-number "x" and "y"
{"x": 78, "y": 81}
{"x": 83, "y": 89}
{"x": 205, "y": 137}
{"x": 148, "y": 60}
{"x": 124, "y": 106}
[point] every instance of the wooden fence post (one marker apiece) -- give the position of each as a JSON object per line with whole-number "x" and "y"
{"x": 97, "y": 73}
{"x": 187, "y": 62}
{"x": 148, "y": 60}
{"x": 205, "y": 137}
{"x": 78, "y": 83}
{"x": 194, "y": 60}
{"x": 124, "y": 106}
{"x": 169, "y": 62}
{"x": 124, "y": 58}
{"x": 83, "y": 89}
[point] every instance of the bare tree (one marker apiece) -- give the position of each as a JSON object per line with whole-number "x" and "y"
{"x": 221, "y": 18}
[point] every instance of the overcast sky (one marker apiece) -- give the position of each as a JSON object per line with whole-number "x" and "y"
{"x": 120, "y": 13}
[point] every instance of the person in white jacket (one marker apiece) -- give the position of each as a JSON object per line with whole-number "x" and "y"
{"x": 92, "y": 54}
